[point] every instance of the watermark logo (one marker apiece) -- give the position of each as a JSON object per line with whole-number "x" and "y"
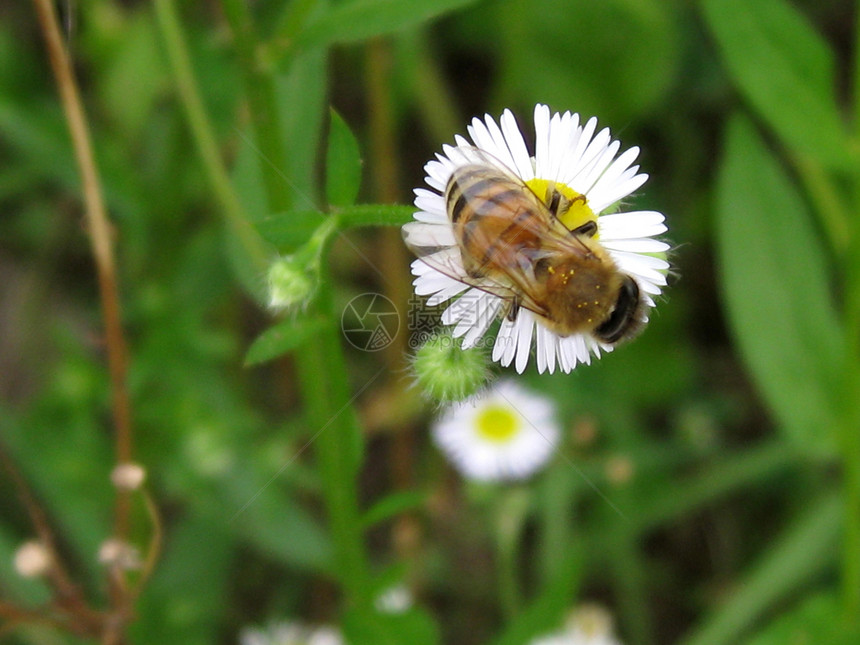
{"x": 370, "y": 322}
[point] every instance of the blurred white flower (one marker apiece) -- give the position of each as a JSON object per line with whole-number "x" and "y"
{"x": 128, "y": 476}
{"x": 589, "y": 624}
{"x": 288, "y": 632}
{"x": 506, "y": 433}
{"x": 32, "y": 559}
{"x": 394, "y": 600}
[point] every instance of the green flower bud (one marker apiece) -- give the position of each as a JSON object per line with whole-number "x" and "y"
{"x": 446, "y": 372}
{"x": 291, "y": 283}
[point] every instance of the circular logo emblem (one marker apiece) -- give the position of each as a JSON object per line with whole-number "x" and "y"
{"x": 370, "y": 322}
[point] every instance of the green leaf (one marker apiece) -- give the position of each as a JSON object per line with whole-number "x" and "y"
{"x": 362, "y": 19}
{"x": 375, "y": 215}
{"x": 414, "y": 626}
{"x": 343, "y": 164}
{"x": 720, "y": 478}
{"x": 542, "y": 55}
{"x": 282, "y": 338}
{"x": 800, "y": 553}
{"x": 777, "y": 289}
{"x": 546, "y": 612}
{"x": 785, "y": 70}
{"x": 817, "y": 620}
{"x": 302, "y": 97}
{"x": 392, "y": 505}
{"x": 135, "y": 59}
{"x": 288, "y": 231}
{"x": 268, "y": 518}
{"x": 182, "y": 603}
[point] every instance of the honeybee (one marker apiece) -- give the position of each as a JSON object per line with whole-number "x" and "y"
{"x": 512, "y": 243}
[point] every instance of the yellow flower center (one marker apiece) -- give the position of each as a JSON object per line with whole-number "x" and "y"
{"x": 572, "y": 207}
{"x": 497, "y": 423}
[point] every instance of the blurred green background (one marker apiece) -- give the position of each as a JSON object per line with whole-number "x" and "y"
{"x": 726, "y": 435}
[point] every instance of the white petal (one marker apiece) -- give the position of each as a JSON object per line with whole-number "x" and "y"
{"x": 618, "y": 192}
{"x": 543, "y": 163}
{"x": 505, "y": 342}
{"x": 638, "y": 245}
{"x": 524, "y": 342}
{"x": 516, "y": 145}
{"x": 448, "y": 291}
{"x": 423, "y": 235}
{"x": 493, "y": 306}
{"x": 635, "y": 224}
{"x": 591, "y": 172}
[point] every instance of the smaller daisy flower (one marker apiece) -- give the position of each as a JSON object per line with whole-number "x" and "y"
{"x": 507, "y": 433}
{"x": 290, "y": 633}
{"x": 587, "y": 625}
{"x": 537, "y": 240}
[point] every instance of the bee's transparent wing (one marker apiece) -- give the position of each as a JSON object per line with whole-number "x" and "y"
{"x": 436, "y": 247}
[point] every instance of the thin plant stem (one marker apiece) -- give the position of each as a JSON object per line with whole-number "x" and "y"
{"x": 324, "y": 383}
{"x": 510, "y": 509}
{"x": 386, "y": 181}
{"x": 99, "y": 229}
{"x": 204, "y": 138}
{"x": 262, "y": 99}
{"x": 85, "y": 619}
{"x": 432, "y": 95}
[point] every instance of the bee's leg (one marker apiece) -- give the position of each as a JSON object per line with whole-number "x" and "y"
{"x": 589, "y": 229}
{"x": 553, "y": 201}
{"x": 513, "y": 309}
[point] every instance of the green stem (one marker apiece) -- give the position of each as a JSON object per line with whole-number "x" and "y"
{"x": 511, "y": 509}
{"x": 262, "y": 100}
{"x": 338, "y": 445}
{"x": 203, "y": 134}
{"x": 431, "y": 93}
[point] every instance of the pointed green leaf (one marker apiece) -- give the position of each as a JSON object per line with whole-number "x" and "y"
{"x": 777, "y": 289}
{"x": 413, "y": 626}
{"x": 546, "y": 612}
{"x": 817, "y": 619}
{"x": 302, "y": 95}
{"x": 392, "y": 505}
{"x": 288, "y": 231}
{"x": 343, "y": 164}
{"x": 283, "y": 338}
{"x": 800, "y": 553}
{"x": 785, "y": 70}
{"x": 361, "y": 19}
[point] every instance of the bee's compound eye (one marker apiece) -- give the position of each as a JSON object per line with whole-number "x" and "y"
{"x": 623, "y": 317}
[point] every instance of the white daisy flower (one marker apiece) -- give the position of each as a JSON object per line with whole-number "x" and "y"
{"x": 289, "y": 632}
{"x": 507, "y": 433}
{"x": 588, "y": 625}
{"x": 576, "y": 164}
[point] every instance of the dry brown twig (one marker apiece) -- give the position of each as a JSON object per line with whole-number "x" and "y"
{"x": 69, "y": 609}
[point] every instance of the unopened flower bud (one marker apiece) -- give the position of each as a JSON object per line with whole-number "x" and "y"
{"x": 446, "y": 372}
{"x": 291, "y": 283}
{"x": 117, "y": 553}
{"x": 128, "y": 476}
{"x": 619, "y": 469}
{"x": 394, "y": 600}
{"x": 32, "y": 559}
